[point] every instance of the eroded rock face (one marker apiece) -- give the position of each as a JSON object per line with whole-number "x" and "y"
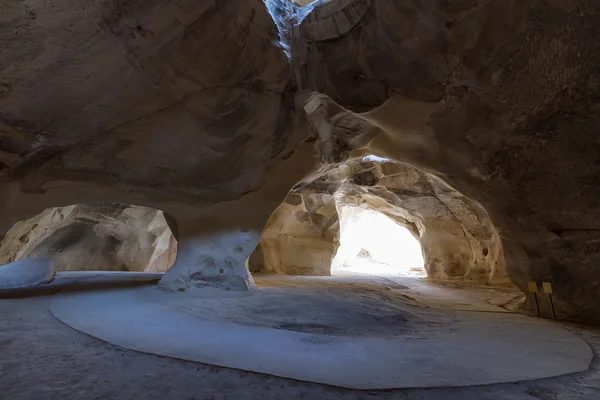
{"x": 151, "y": 103}
{"x": 94, "y": 238}
{"x": 155, "y": 103}
{"x": 300, "y": 238}
{"x": 457, "y": 237}
{"x": 153, "y": 99}
{"x": 506, "y": 114}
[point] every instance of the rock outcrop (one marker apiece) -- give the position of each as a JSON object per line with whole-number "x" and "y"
{"x": 195, "y": 109}
{"x": 94, "y": 238}
{"x": 457, "y": 237}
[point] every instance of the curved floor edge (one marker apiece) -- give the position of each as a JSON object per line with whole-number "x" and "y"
{"x": 488, "y": 348}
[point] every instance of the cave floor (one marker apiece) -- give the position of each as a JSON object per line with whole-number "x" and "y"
{"x": 353, "y": 332}
{"x": 84, "y": 280}
{"x": 352, "y": 305}
{"x": 43, "y": 358}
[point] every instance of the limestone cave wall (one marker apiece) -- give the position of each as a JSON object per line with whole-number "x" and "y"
{"x": 94, "y": 238}
{"x": 300, "y": 238}
{"x": 157, "y": 103}
{"x": 457, "y": 237}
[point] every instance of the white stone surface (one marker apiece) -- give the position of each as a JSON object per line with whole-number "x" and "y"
{"x": 487, "y": 348}
{"x": 27, "y": 273}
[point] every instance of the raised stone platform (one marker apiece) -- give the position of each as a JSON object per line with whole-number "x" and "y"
{"x": 470, "y": 348}
{"x": 26, "y": 273}
{"x": 83, "y": 280}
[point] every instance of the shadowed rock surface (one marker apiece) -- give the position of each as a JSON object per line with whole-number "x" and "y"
{"x": 109, "y": 237}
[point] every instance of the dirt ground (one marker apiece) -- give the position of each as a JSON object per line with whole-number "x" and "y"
{"x": 40, "y": 358}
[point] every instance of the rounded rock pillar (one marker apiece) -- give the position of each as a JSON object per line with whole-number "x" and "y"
{"x": 212, "y": 259}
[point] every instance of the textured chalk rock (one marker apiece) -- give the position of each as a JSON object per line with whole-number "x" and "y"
{"x": 94, "y": 238}
{"x": 159, "y": 106}
{"x": 25, "y": 235}
{"x": 299, "y": 238}
{"x": 457, "y": 237}
{"x": 221, "y": 257}
{"x": 331, "y": 19}
{"x": 27, "y": 273}
{"x": 154, "y": 103}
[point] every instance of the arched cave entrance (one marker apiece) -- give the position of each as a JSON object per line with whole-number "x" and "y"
{"x": 94, "y": 237}
{"x": 371, "y": 243}
{"x": 413, "y": 223}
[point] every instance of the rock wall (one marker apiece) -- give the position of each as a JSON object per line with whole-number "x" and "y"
{"x": 94, "y": 238}
{"x": 457, "y": 237}
{"x": 300, "y": 238}
{"x": 154, "y": 103}
{"x": 150, "y": 103}
{"x": 497, "y": 99}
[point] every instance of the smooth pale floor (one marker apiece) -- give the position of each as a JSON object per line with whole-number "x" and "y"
{"x": 485, "y": 347}
{"x": 26, "y": 273}
{"x": 83, "y": 280}
{"x": 43, "y": 358}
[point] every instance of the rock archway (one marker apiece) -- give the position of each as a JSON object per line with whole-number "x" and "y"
{"x": 458, "y": 238}
{"x": 154, "y": 103}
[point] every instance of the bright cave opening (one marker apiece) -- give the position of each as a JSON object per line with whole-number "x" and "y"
{"x": 374, "y": 216}
{"x": 373, "y": 244}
